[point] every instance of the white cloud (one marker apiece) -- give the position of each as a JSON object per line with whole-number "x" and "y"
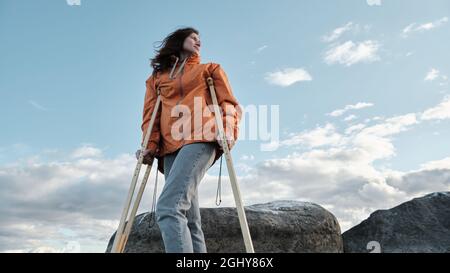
{"x": 47, "y": 205}
{"x": 86, "y": 150}
{"x": 37, "y": 105}
{"x": 288, "y": 76}
{"x": 339, "y": 173}
{"x": 354, "y": 128}
{"x": 369, "y": 143}
{"x": 350, "y": 118}
{"x": 317, "y": 137}
{"x": 440, "y": 111}
{"x": 359, "y": 105}
{"x": 432, "y": 75}
{"x": 376, "y": 140}
{"x": 340, "y": 32}
{"x": 374, "y": 2}
{"x": 425, "y": 180}
{"x": 350, "y": 53}
{"x": 342, "y": 180}
{"x": 393, "y": 125}
{"x": 436, "y": 164}
{"x": 337, "y": 33}
{"x": 259, "y": 49}
{"x": 247, "y": 157}
{"x": 414, "y": 27}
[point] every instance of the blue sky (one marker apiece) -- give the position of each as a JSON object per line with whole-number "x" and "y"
{"x": 72, "y": 82}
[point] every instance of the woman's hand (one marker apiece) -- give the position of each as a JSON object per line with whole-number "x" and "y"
{"x": 148, "y": 156}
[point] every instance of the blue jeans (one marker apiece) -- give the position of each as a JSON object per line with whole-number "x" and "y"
{"x": 177, "y": 210}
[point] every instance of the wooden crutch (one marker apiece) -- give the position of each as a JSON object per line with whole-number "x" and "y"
{"x": 234, "y": 185}
{"x": 123, "y": 231}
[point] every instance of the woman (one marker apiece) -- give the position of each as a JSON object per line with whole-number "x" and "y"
{"x": 183, "y": 138}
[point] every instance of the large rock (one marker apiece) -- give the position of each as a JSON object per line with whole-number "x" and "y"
{"x": 281, "y": 226}
{"x": 419, "y": 225}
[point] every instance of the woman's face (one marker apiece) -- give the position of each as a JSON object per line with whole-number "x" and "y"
{"x": 192, "y": 43}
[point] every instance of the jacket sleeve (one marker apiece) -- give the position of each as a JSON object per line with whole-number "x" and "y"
{"x": 231, "y": 110}
{"x": 149, "y": 105}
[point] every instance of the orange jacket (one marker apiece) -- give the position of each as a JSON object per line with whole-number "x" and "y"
{"x": 184, "y": 116}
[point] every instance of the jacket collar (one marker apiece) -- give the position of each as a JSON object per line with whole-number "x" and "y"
{"x": 194, "y": 58}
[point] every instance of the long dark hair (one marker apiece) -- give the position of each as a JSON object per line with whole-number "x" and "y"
{"x": 170, "y": 47}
